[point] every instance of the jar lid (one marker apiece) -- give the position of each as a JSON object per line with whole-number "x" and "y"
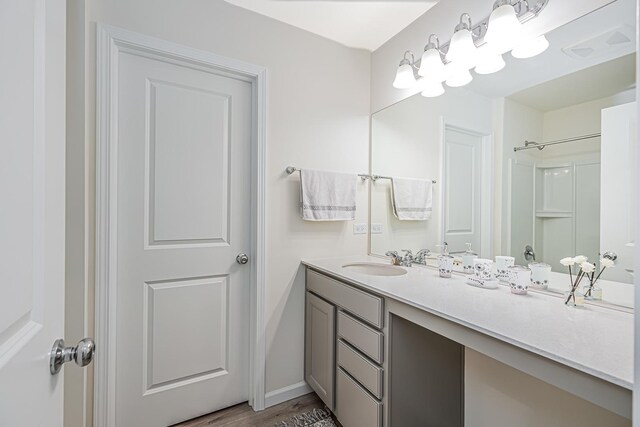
{"x": 539, "y": 264}
{"x": 519, "y": 268}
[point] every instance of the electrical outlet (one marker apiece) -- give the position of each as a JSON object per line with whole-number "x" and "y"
{"x": 376, "y": 228}
{"x": 360, "y": 228}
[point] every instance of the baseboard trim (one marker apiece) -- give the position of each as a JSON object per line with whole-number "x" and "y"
{"x": 286, "y": 393}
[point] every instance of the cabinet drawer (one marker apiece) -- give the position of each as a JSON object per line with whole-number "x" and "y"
{"x": 362, "y": 369}
{"x": 355, "y": 407}
{"x": 362, "y": 304}
{"x": 363, "y": 337}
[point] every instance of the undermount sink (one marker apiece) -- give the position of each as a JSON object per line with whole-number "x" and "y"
{"x": 375, "y": 269}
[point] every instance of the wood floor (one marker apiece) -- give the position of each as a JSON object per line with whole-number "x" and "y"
{"x": 243, "y": 416}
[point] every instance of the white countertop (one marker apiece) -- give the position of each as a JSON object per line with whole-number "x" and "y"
{"x": 595, "y": 340}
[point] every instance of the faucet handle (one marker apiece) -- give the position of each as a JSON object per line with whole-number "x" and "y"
{"x": 395, "y": 259}
{"x": 421, "y": 255}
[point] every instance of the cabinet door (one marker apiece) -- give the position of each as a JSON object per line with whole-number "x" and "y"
{"x": 320, "y": 338}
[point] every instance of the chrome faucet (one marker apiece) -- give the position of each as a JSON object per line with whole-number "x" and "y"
{"x": 407, "y": 259}
{"x": 395, "y": 259}
{"x": 421, "y": 256}
{"x": 529, "y": 254}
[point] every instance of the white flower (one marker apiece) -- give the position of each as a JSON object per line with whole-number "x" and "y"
{"x": 567, "y": 262}
{"x": 579, "y": 259}
{"x": 587, "y": 267}
{"x": 606, "y": 263}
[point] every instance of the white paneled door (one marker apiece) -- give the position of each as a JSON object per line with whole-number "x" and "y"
{"x": 183, "y": 219}
{"x": 463, "y": 189}
{"x": 32, "y": 156}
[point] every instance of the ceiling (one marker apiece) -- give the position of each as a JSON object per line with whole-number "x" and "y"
{"x": 603, "y": 80}
{"x": 353, "y": 23}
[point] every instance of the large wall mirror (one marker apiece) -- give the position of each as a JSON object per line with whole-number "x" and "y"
{"x": 493, "y": 188}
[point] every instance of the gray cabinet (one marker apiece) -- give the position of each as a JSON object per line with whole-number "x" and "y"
{"x": 320, "y": 341}
{"x": 344, "y": 349}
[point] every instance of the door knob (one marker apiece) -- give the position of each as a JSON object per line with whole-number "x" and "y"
{"x": 242, "y": 259}
{"x": 82, "y": 354}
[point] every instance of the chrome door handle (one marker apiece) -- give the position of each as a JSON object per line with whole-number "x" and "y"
{"x": 82, "y": 354}
{"x": 242, "y": 259}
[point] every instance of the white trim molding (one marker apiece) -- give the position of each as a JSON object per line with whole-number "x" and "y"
{"x": 111, "y": 41}
{"x": 283, "y": 394}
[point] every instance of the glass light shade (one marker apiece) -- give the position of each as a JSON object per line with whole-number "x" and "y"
{"x": 530, "y": 47}
{"x": 431, "y": 65}
{"x": 505, "y": 30}
{"x": 462, "y": 49}
{"x": 490, "y": 63}
{"x": 458, "y": 75}
{"x": 404, "y": 77}
{"x": 432, "y": 89}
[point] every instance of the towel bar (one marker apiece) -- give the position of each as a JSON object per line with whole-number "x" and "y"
{"x": 374, "y": 178}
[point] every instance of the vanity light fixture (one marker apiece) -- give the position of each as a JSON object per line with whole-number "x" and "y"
{"x": 432, "y": 88}
{"x": 478, "y": 46}
{"x": 431, "y": 65}
{"x": 462, "y": 49}
{"x": 405, "y": 78}
{"x": 489, "y": 62}
{"x": 530, "y": 47}
{"x": 504, "y": 30}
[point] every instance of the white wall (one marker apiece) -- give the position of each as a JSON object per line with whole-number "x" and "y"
{"x": 636, "y": 365}
{"x": 317, "y": 117}
{"x": 576, "y": 120}
{"x": 407, "y": 142}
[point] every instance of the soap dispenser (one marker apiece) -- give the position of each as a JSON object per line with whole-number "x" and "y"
{"x": 445, "y": 261}
{"x": 467, "y": 259}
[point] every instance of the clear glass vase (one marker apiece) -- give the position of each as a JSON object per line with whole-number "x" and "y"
{"x": 574, "y": 299}
{"x": 592, "y": 293}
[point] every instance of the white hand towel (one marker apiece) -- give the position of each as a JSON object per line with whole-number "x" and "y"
{"x": 412, "y": 198}
{"x": 327, "y": 196}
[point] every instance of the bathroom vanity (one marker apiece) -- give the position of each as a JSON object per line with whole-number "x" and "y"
{"x": 387, "y": 348}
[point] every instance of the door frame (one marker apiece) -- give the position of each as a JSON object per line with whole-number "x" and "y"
{"x": 110, "y": 42}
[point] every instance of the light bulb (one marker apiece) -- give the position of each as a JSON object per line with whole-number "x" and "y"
{"x": 462, "y": 49}
{"x": 432, "y": 89}
{"x": 530, "y": 47}
{"x": 404, "y": 76}
{"x": 505, "y": 30}
{"x": 489, "y": 62}
{"x": 457, "y": 75}
{"x": 431, "y": 65}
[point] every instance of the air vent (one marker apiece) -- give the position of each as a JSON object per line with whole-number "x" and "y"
{"x": 618, "y": 38}
{"x": 583, "y": 52}
{"x": 609, "y": 43}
